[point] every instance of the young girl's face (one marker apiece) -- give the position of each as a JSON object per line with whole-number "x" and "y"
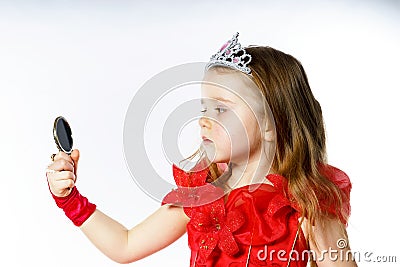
{"x": 233, "y": 112}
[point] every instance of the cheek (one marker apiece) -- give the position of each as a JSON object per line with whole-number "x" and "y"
{"x": 221, "y": 132}
{"x": 239, "y": 128}
{"x": 254, "y": 130}
{"x": 234, "y": 135}
{"x": 247, "y": 134}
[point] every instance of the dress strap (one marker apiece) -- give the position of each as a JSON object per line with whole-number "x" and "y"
{"x": 251, "y": 243}
{"x": 291, "y": 250}
{"x": 294, "y": 243}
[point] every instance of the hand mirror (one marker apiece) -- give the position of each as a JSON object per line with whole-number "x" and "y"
{"x": 62, "y": 135}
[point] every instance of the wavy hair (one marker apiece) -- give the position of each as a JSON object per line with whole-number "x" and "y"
{"x": 300, "y": 145}
{"x": 300, "y": 135}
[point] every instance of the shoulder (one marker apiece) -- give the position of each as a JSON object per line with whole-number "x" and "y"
{"x": 337, "y": 176}
{"x": 342, "y": 181}
{"x": 193, "y": 189}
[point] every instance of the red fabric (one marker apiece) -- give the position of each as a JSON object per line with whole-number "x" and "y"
{"x": 77, "y": 207}
{"x": 341, "y": 180}
{"x": 221, "y": 230}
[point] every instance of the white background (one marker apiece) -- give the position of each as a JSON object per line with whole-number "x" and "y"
{"x": 86, "y": 59}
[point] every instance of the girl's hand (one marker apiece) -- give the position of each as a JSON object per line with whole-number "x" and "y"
{"x": 63, "y": 179}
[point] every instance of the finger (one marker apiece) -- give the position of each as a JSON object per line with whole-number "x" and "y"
{"x": 75, "y": 155}
{"x": 56, "y": 177}
{"x": 63, "y": 155}
{"x": 67, "y": 184}
{"x": 64, "y": 175}
{"x": 61, "y": 176}
{"x": 61, "y": 165}
{"x": 63, "y": 188}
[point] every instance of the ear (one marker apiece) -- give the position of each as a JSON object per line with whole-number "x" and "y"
{"x": 269, "y": 135}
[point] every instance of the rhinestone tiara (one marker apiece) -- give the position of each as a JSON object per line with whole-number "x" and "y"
{"x": 232, "y": 55}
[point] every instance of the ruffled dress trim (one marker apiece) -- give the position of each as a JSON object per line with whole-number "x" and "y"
{"x": 236, "y": 232}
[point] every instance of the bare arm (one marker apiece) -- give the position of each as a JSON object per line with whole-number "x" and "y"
{"x": 333, "y": 248}
{"x": 159, "y": 230}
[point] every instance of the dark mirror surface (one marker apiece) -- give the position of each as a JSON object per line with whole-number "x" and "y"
{"x": 63, "y": 135}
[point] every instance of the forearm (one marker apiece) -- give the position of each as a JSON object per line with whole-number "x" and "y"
{"x": 109, "y": 236}
{"x": 149, "y": 236}
{"x": 160, "y": 229}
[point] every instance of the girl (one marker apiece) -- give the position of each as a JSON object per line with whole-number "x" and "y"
{"x": 261, "y": 193}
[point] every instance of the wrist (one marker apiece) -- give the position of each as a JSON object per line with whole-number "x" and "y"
{"x": 75, "y": 206}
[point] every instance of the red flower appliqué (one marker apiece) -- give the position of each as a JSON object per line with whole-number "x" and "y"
{"x": 211, "y": 226}
{"x": 217, "y": 232}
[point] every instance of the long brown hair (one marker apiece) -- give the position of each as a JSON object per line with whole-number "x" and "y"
{"x": 300, "y": 134}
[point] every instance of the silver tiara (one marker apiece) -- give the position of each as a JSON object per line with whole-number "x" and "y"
{"x": 231, "y": 55}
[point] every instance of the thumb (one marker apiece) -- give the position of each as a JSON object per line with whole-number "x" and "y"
{"x": 75, "y": 157}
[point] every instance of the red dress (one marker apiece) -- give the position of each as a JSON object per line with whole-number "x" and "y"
{"x": 251, "y": 227}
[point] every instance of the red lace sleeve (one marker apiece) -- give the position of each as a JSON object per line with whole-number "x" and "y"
{"x": 188, "y": 184}
{"x": 189, "y": 179}
{"x": 342, "y": 181}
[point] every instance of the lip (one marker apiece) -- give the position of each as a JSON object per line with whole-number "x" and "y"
{"x": 205, "y": 139}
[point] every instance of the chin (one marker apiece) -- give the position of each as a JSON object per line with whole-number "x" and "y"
{"x": 219, "y": 160}
{"x": 217, "y": 157}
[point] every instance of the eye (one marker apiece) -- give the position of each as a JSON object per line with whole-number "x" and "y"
{"x": 220, "y": 109}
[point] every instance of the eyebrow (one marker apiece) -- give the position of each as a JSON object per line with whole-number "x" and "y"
{"x": 218, "y": 98}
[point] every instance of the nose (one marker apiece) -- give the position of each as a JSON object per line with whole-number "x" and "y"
{"x": 204, "y": 122}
